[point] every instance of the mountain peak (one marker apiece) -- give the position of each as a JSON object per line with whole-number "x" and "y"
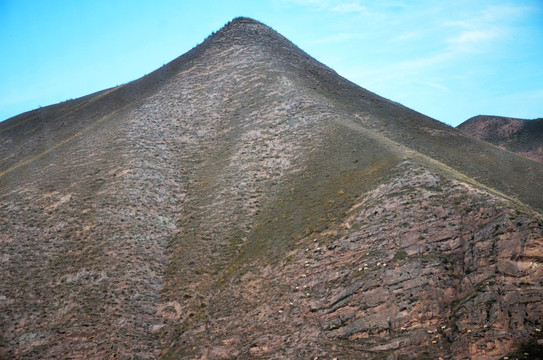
{"x": 243, "y": 28}
{"x": 245, "y": 201}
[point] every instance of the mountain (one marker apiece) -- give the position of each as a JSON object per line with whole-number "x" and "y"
{"x": 520, "y": 136}
{"x": 245, "y": 201}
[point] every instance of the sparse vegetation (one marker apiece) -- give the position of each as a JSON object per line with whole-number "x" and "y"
{"x": 244, "y": 201}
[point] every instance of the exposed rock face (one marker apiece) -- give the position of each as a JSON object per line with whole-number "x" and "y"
{"x": 523, "y": 137}
{"x": 419, "y": 265}
{"x": 244, "y": 201}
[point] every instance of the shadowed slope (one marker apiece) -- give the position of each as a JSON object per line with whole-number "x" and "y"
{"x": 181, "y": 215}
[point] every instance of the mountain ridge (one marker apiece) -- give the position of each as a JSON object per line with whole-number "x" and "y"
{"x": 520, "y": 136}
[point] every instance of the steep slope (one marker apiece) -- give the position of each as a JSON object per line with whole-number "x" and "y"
{"x": 420, "y": 267}
{"x": 241, "y": 201}
{"x": 523, "y": 137}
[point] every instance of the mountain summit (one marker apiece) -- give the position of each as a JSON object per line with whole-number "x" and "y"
{"x": 245, "y": 201}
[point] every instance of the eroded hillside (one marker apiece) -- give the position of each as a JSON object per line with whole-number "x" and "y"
{"x": 245, "y": 201}
{"x": 420, "y": 265}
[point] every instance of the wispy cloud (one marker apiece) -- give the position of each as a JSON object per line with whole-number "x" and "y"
{"x": 404, "y": 48}
{"x": 407, "y": 35}
{"x": 503, "y": 12}
{"x": 477, "y": 32}
{"x": 474, "y": 36}
{"x": 476, "y": 40}
{"x": 434, "y": 85}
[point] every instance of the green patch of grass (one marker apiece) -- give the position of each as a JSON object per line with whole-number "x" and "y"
{"x": 400, "y": 255}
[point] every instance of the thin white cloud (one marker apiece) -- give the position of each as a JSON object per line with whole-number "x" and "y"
{"x": 477, "y": 40}
{"x": 479, "y": 33}
{"x": 417, "y": 39}
{"x": 504, "y": 12}
{"x": 474, "y": 36}
{"x": 434, "y": 85}
{"x": 408, "y": 35}
{"x": 491, "y": 24}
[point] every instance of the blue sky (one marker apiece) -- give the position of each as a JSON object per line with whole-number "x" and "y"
{"x": 447, "y": 59}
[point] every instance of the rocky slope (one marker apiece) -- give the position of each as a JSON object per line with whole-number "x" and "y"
{"x": 523, "y": 137}
{"x": 245, "y": 201}
{"x": 419, "y": 267}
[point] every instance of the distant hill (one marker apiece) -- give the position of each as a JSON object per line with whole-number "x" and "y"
{"x": 245, "y": 201}
{"x": 521, "y": 136}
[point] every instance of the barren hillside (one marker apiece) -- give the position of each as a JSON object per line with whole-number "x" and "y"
{"x": 523, "y": 137}
{"x": 245, "y": 201}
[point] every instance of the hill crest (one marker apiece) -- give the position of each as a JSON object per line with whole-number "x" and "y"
{"x": 520, "y": 136}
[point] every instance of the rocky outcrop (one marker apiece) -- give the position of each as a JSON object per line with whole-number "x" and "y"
{"x": 420, "y": 265}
